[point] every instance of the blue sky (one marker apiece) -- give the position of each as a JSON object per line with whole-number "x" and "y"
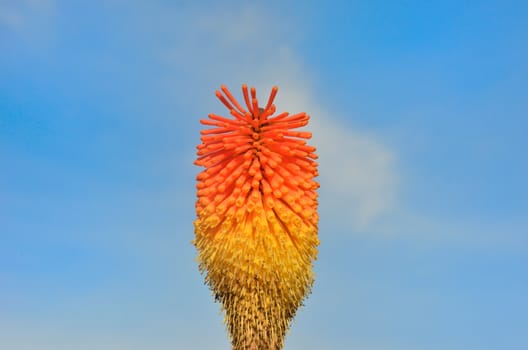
{"x": 419, "y": 113}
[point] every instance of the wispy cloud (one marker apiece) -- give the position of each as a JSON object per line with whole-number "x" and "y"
{"x": 240, "y": 45}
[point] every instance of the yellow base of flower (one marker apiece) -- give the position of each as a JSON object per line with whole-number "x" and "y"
{"x": 259, "y": 266}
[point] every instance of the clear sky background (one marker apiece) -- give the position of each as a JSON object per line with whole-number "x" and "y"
{"x": 420, "y": 115}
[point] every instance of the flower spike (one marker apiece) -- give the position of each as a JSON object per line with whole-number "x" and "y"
{"x": 257, "y": 223}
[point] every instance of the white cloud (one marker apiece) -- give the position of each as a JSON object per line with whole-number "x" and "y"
{"x": 357, "y": 171}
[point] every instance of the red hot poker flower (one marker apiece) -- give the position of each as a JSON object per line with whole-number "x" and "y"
{"x": 256, "y": 226}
